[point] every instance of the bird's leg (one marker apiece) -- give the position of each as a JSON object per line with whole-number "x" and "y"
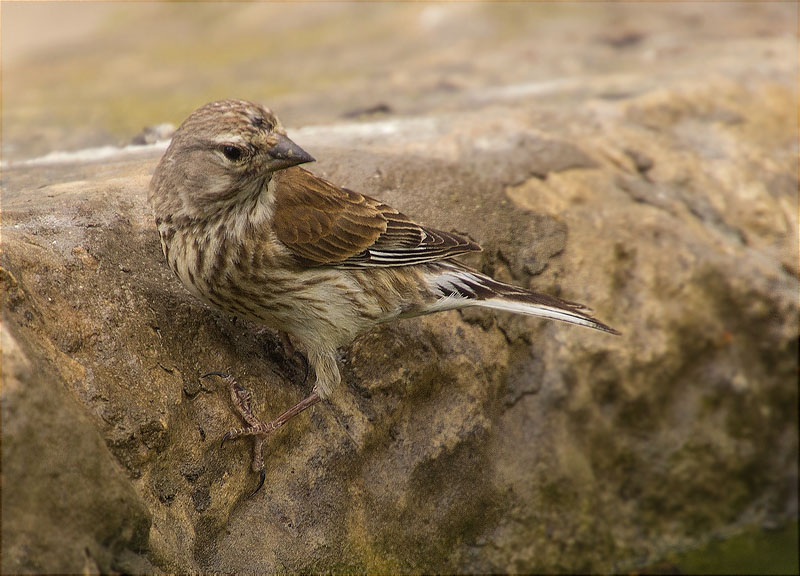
{"x": 241, "y": 399}
{"x": 294, "y": 353}
{"x": 261, "y": 429}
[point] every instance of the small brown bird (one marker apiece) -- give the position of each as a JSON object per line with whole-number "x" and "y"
{"x": 250, "y": 233}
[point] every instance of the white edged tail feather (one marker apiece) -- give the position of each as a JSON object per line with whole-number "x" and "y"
{"x": 460, "y": 287}
{"x": 544, "y": 311}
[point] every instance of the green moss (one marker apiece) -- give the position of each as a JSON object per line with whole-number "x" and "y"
{"x": 752, "y": 552}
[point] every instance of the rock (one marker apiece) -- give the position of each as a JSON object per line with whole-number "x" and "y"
{"x": 153, "y": 134}
{"x": 67, "y": 504}
{"x": 461, "y": 442}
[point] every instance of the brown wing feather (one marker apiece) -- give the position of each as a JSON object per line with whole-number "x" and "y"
{"x": 323, "y": 224}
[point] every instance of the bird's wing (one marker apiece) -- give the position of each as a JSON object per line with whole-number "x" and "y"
{"x": 323, "y": 224}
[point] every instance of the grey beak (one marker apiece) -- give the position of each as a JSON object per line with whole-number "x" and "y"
{"x": 286, "y": 153}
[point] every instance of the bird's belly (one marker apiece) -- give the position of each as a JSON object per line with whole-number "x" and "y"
{"x": 312, "y": 306}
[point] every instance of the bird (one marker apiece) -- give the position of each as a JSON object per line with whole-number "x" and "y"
{"x": 250, "y": 232}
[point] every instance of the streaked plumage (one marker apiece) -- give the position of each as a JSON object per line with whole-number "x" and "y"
{"x": 248, "y": 231}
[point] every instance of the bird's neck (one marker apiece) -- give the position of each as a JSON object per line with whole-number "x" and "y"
{"x": 249, "y": 213}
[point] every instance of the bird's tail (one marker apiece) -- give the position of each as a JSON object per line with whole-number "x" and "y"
{"x": 460, "y": 286}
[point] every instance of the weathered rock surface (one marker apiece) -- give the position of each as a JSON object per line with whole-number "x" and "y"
{"x": 469, "y": 442}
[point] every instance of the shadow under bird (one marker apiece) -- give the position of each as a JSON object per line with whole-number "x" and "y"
{"x": 250, "y": 232}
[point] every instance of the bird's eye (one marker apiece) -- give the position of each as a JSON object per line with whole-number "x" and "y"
{"x": 232, "y": 153}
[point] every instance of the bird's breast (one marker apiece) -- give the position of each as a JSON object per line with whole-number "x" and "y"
{"x": 239, "y": 275}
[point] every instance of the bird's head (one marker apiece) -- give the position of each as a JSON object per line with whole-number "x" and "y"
{"x": 224, "y": 151}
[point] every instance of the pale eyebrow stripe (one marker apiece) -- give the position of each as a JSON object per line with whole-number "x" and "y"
{"x": 229, "y": 138}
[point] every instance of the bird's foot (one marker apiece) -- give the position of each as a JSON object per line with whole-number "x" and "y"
{"x": 241, "y": 399}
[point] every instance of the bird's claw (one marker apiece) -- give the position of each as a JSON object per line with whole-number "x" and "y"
{"x": 258, "y": 459}
{"x": 241, "y": 399}
{"x": 262, "y": 475}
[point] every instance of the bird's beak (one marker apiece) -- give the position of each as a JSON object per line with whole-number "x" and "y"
{"x": 286, "y": 153}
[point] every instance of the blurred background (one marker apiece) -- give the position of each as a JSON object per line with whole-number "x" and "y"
{"x": 77, "y": 75}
